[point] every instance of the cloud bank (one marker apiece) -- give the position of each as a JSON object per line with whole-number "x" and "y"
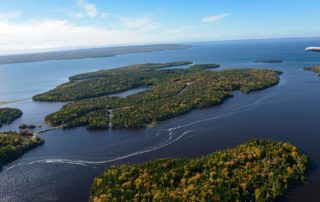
{"x": 18, "y": 35}
{"x": 59, "y": 33}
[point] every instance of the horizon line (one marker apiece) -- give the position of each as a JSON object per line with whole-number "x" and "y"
{"x": 77, "y": 48}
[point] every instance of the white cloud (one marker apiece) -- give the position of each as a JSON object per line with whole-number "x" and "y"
{"x": 59, "y": 33}
{"x": 6, "y": 16}
{"x": 142, "y": 24}
{"x": 85, "y": 9}
{"x": 214, "y": 18}
{"x": 206, "y": 20}
{"x": 53, "y": 33}
{"x": 89, "y": 9}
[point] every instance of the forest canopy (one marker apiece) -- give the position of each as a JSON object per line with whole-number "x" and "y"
{"x": 8, "y": 115}
{"x": 13, "y": 145}
{"x": 260, "y": 170}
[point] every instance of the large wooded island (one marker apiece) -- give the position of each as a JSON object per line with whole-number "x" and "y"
{"x": 259, "y": 170}
{"x": 8, "y": 115}
{"x": 171, "y": 93}
{"x": 13, "y": 145}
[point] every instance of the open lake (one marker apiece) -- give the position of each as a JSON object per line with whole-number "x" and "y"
{"x": 63, "y": 168}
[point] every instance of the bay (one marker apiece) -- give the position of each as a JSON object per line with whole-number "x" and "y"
{"x": 63, "y": 168}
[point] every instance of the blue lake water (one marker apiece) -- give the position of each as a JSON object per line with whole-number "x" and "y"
{"x": 63, "y": 168}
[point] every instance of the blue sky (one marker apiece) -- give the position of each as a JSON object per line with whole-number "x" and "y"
{"x": 48, "y": 24}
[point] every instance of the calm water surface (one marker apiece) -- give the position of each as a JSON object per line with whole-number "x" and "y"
{"x": 63, "y": 168}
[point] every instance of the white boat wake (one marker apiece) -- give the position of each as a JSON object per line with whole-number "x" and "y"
{"x": 172, "y": 138}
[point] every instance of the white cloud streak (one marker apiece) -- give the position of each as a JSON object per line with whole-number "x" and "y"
{"x": 84, "y": 9}
{"x": 89, "y": 9}
{"x": 139, "y": 24}
{"x": 214, "y": 18}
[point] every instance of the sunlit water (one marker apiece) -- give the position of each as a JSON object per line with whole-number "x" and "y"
{"x": 63, "y": 168}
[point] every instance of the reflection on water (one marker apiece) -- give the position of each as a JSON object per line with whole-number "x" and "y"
{"x": 63, "y": 168}
{"x": 33, "y": 113}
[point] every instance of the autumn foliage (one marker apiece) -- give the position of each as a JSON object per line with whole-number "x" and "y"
{"x": 260, "y": 170}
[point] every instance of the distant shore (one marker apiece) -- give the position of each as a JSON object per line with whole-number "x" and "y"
{"x": 87, "y": 53}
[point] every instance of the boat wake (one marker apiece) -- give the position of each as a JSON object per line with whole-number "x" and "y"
{"x": 173, "y": 136}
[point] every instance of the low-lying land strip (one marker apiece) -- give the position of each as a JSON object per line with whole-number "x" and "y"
{"x": 259, "y": 170}
{"x": 171, "y": 93}
{"x": 11, "y": 101}
{"x": 268, "y": 61}
{"x": 88, "y": 53}
{"x": 314, "y": 69}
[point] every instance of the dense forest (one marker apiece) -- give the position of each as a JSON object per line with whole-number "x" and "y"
{"x": 13, "y": 145}
{"x": 260, "y": 170}
{"x": 8, "y": 115}
{"x": 314, "y": 69}
{"x": 112, "y": 81}
{"x": 204, "y": 66}
{"x": 171, "y": 93}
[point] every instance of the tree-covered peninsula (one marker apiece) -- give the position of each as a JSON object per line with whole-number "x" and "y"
{"x": 204, "y": 66}
{"x": 105, "y": 82}
{"x": 171, "y": 93}
{"x": 260, "y": 170}
{"x": 8, "y": 115}
{"x": 314, "y": 69}
{"x": 13, "y": 145}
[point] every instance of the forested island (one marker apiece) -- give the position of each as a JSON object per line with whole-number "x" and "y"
{"x": 314, "y": 69}
{"x": 268, "y": 61}
{"x": 13, "y": 145}
{"x": 8, "y": 115}
{"x": 260, "y": 170}
{"x": 171, "y": 93}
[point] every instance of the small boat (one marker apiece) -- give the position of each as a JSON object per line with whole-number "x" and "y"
{"x": 317, "y": 49}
